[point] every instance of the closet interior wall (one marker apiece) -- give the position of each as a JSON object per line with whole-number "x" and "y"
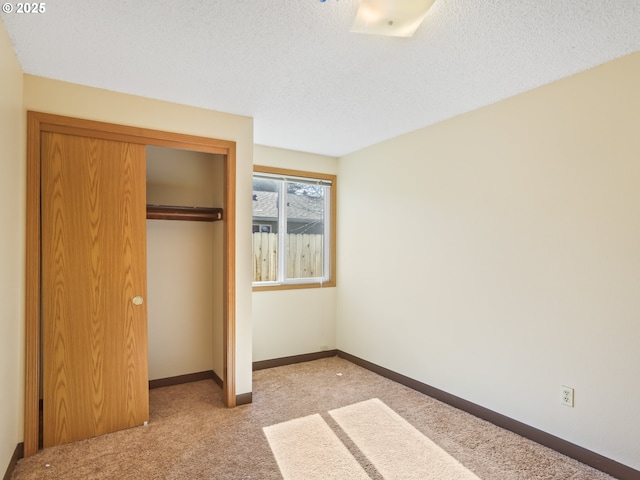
{"x": 184, "y": 265}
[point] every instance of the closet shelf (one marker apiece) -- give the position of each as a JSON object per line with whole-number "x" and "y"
{"x": 171, "y": 212}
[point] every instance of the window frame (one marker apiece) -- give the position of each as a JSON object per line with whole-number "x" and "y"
{"x": 305, "y": 283}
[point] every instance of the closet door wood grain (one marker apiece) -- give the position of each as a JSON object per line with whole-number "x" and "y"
{"x": 94, "y": 336}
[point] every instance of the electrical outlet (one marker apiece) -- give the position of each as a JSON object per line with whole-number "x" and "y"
{"x": 566, "y": 396}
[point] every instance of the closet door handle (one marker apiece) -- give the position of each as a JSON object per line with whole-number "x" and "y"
{"x": 137, "y": 300}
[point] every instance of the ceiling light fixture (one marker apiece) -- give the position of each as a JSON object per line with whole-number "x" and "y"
{"x": 395, "y": 18}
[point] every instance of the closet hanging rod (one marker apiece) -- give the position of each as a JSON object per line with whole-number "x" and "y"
{"x": 174, "y": 212}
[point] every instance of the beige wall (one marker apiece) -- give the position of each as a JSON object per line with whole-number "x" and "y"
{"x": 180, "y": 302}
{"x": 503, "y": 255}
{"x": 62, "y": 98}
{"x": 184, "y": 288}
{"x": 293, "y": 322}
{"x": 12, "y": 226}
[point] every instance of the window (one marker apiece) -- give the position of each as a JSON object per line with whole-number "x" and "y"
{"x": 293, "y": 229}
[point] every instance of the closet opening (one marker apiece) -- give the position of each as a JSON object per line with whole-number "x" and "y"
{"x": 198, "y": 309}
{"x": 185, "y": 255}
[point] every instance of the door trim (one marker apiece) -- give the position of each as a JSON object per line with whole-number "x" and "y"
{"x": 40, "y": 122}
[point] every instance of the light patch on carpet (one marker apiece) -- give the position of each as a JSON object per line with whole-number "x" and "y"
{"x": 306, "y": 448}
{"x": 394, "y": 446}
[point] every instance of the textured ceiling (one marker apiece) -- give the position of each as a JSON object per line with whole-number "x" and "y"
{"x": 309, "y": 83}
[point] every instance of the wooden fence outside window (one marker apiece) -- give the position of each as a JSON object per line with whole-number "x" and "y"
{"x": 305, "y": 254}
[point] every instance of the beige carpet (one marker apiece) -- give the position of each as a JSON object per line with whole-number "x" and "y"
{"x": 306, "y": 448}
{"x": 395, "y": 447}
{"x": 192, "y": 436}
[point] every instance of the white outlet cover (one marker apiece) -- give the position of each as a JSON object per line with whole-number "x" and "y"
{"x": 566, "y": 396}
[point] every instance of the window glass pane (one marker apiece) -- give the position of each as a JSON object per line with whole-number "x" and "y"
{"x": 305, "y": 219}
{"x": 265, "y": 229}
{"x": 291, "y": 230}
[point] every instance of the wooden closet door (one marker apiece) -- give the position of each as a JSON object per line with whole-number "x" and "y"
{"x": 94, "y": 334}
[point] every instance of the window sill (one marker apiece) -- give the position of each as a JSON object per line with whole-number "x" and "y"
{"x": 293, "y": 286}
